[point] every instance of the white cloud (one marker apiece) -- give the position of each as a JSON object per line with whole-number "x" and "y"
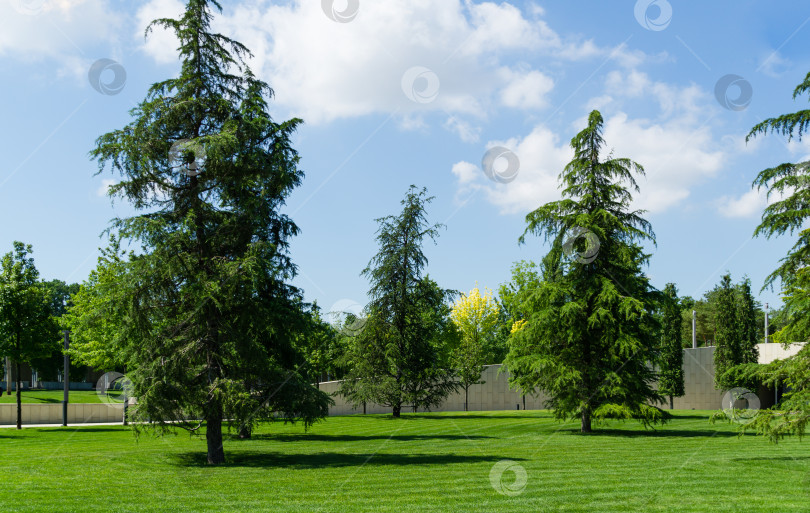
{"x": 465, "y": 172}
{"x": 322, "y": 70}
{"x": 59, "y": 28}
{"x": 160, "y": 44}
{"x": 676, "y": 155}
{"x": 542, "y": 156}
{"x": 775, "y": 65}
{"x": 526, "y": 90}
{"x": 748, "y": 205}
{"x": 467, "y": 132}
{"x": 677, "y": 148}
{"x": 104, "y": 187}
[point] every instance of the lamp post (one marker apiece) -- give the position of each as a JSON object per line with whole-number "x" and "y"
{"x": 694, "y": 329}
{"x": 66, "y": 375}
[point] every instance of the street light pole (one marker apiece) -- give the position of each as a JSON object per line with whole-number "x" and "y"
{"x": 694, "y": 329}
{"x": 66, "y": 375}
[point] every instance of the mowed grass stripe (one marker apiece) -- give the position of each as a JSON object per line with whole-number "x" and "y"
{"x": 422, "y": 462}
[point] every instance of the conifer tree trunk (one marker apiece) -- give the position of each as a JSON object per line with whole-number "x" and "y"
{"x": 213, "y": 433}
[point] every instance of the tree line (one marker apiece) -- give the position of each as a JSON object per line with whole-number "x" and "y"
{"x": 192, "y": 300}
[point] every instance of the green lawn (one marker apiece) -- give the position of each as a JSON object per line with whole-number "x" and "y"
{"x": 425, "y": 462}
{"x": 53, "y": 396}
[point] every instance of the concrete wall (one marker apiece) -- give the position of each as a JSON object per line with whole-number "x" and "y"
{"x": 698, "y": 370}
{"x": 771, "y": 352}
{"x": 494, "y": 394}
{"x": 51, "y": 413}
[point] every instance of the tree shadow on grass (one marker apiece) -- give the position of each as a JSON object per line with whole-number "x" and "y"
{"x": 438, "y": 416}
{"x": 310, "y": 437}
{"x": 254, "y": 459}
{"x": 772, "y": 458}
{"x": 656, "y": 433}
{"x": 84, "y": 429}
{"x": 43, "y": 400}
{"x": 676, "y": 416}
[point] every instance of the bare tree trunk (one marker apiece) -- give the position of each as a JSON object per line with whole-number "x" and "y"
{"x": 397, "y": 410}
{"x": 466, "y": 396}
{"x": 213, "y": 433}
{"x": 671, "y": 403}
{"x": 19, "y": 398}
{"x": 585, "y": 426}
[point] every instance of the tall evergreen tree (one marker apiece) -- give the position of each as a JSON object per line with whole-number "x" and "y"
{"x": 208, "y": 316}
{"x": 27, "y": 329}
{"x": 727, "y": 342}
{"x": 591, "y": 337}
{"x": 671, "y": 361}
{"x": 788, "y": 188}
{"x": 399, "y": 357}
{"x": 747, "y": 325}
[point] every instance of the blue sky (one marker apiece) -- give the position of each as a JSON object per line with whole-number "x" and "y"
{"x": 397, "y": 93}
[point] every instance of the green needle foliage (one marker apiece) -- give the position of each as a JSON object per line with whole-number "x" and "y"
{"x": 400, "y": 356}
{"x": 789, "y": 185}
{"x": 591, "y": 336}
{"x": 747, "y": 323}
{"x": 206, "y": 319}
{"x": 27, "y": 329}
{"x": 727, "y": 352}
{"x": 737, "y": 335}
{"x": 671, "y": 361}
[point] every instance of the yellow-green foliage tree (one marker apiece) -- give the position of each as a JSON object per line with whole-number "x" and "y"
{"x": 476, "y": 318}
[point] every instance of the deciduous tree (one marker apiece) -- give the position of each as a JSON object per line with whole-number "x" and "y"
{"x": 27, "y": 329}
{"x": 476, "y": 317}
